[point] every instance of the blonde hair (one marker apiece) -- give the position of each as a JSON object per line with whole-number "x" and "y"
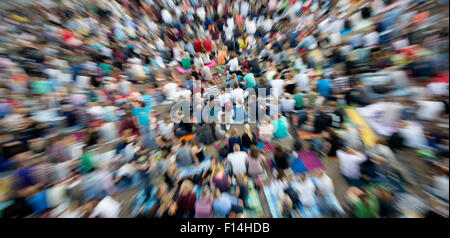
{"x": 234, "y": 132}
{"x": 241, "y": 178}
{"x": 186, "y": 187}
{"x": 248, "y": 131}
{"x": 217, "y": 193}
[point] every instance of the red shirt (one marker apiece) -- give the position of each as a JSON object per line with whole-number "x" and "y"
{"x": 198, "y": 45}
{"x": 440, "y": 79}
{"x": 186, "y": 203}
{"x": 207, "y": 43}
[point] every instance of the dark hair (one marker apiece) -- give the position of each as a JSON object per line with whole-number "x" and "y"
{"x": 348, "y": 24}
{"x": 279, "y": 152}
{"x": 366, "y": 12}
{"x": 254, "y": 152}
{"x": 143, "y": 104}
{"x": 298, "y": 146}
{"x": 213, "y": 129}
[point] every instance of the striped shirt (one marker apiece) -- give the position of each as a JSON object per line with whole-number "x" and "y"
{"x": 212, "y": 91}
{"x": 339, "y": 84}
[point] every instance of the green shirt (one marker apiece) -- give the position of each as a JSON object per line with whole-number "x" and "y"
{"x": 281, "y": 128}
{"x": 250, "y": 79}
{"x": 370, "y": 210}
{"x": 107, "y": 68}
{"x": 41, "y": 87}
{"x": 186, "y": 63}
{"x": 87, "y": 163}
{"x": 298, "y": 100}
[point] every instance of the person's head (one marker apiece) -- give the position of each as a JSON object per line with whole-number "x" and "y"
{"x": 162, "y": 189}
{"x": 254, "y": 152}
{"x": 302, "y": 177}
{"x": 236, "y": 148}
{"x": 234, "y": 133}
{"x": 241, "y": 178}
{"x": 382, "y": 141}
{"x": 279, "y": 148}
{"x": 186, "y": 187}
{"x": 349, "y": 150}
{"x": 184, "y": 142}
{"x": 247, "y": 128}
{"x": 205, "y": 193}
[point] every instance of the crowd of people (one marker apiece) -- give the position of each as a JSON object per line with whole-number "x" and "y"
{"x": 205, "y": 107}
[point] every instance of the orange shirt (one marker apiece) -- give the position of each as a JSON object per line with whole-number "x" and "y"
{"x": 221, "y": 57}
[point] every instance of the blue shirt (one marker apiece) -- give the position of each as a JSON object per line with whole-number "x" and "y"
{"x": 189, "y": 85}
{"x": 281, "y": 128}
{"x": 324, "y": 87}
{"x": 222, "y": 206}
{"x": 143, "y": 115}
{"x": 148, "y": 100}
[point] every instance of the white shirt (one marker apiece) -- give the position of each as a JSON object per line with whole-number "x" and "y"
{"x": 266, "y": 129}
{"x": 126, "y": 170}
{"x": 71, "y": 214}
{"x": 124, "y": 87}
{"x": 302, "y": 80}
{"x": 82, "y": 81}
{"x": 277, "y": 87}
{"x": 224, "y": 98}
{"x": 371, "y": 39}
{"x": 107, "y": 208}
{"x": 400, "y": 44}
{"x": 97, "y": 112}
{"x": 237, "y": 160}
{"x": 228, "y": 31}
{"x": 250, "y": 26}
{"x": 429, "y": 110}
{"x": 413, "y": 136}
{"x": 233, "y": 64}
{"x": 197, "y": 62}
{"x": 183, "y": 93}
{"x": 201, "y": 13}
{"x": 438, "y": 88}
{"x": 166, "y": 129}
{"x": 167, "y": 18}
{"x": 108, "y": 131}
{"x": 267, "y": 25}
{"x": 236, "y": 94}
{"x": 171, "y": 90}
{"x": 230, "y": 22}
{"x": 349, "y": 164}
{"x": 306, "y": 191}
{"x": 287, "y": 105}
{"x": 245, "y": 6}
{"x": 325, "y": 184}
{"x": 441, "y": 185}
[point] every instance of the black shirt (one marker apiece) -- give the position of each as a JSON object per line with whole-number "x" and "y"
{"x": 282, "y": 160}
{"x": 247, "y": 142}
{"x": 337, "y": 117}
{"x": 290, "y": 88}
{"x": 18, "y": 209}
{"x": 321, "y": 122}
{"x": 254, "y": 66}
